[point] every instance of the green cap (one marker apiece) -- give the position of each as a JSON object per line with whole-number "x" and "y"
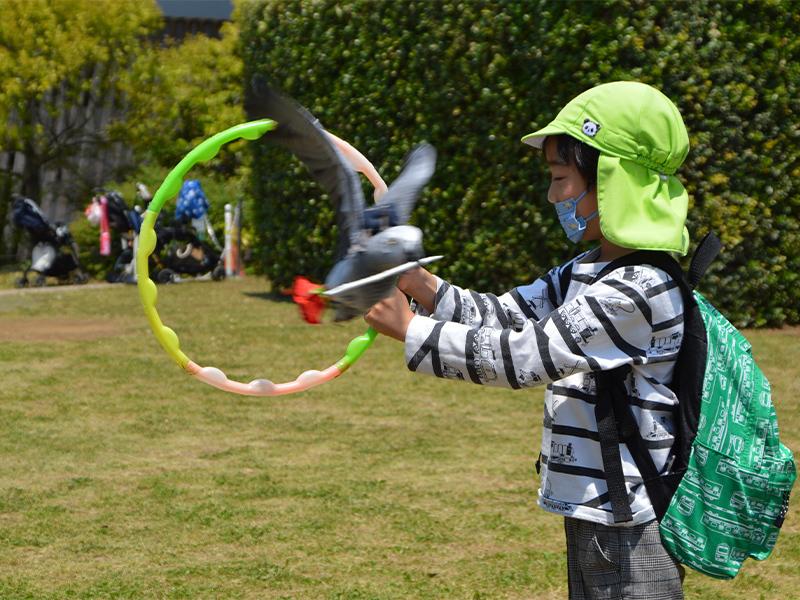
{"x": 642, "y": 141}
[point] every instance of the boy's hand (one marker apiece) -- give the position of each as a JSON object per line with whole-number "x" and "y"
{"x": 391, "y": 316}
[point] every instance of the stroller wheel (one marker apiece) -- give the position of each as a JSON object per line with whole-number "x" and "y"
{"x": 165, "y": 276}
{"x": 80, "y": 279}
{"x": 22, "y": 282}
{"x": 218, "y": 273}
{"x": 39, "y": 281}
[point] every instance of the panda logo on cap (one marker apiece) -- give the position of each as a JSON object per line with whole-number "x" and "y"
{"x": 590, "y": 128}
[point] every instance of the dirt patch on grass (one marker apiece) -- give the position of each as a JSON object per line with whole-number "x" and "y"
{"x": 56, "y": 329}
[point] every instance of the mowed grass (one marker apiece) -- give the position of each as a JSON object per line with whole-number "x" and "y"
{"x": 122, "y": 477}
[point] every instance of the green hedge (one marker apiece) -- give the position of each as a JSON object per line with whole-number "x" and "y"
{"x": 473, "y": 77}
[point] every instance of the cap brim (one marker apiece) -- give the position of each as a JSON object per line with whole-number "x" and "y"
{"x": 639, "y": 208}
{"x": 537, "y": 138}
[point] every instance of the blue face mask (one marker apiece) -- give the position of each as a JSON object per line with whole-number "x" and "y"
{"x": 573, "y": 226}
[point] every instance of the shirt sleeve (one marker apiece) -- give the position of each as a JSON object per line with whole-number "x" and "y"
{"x": 533, "y": 335}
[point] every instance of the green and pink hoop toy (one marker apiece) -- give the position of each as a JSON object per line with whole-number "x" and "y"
{"x": 149, "y": 294}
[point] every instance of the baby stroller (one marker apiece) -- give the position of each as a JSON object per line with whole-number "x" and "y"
{"x": 110, "y": 211}
{"x": 182, "y": 249}
{"x": 54, "y": 252}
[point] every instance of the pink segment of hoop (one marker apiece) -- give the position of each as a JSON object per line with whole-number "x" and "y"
{"x": 360, "y": 163}
{"x": 261, "y": 387}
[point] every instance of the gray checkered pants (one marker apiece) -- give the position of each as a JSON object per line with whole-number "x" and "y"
{"x": 620, "y": 563}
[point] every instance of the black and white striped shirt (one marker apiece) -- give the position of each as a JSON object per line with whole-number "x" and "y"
{"x": 542, "y": 334}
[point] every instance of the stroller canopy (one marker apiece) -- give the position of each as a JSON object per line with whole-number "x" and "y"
{"x": 118, "y": 218}
{"x": 27, "y": 215}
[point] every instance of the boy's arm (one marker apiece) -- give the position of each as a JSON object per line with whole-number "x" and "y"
{"x": 392, "y": 316}
{"x": 617, "y": 321}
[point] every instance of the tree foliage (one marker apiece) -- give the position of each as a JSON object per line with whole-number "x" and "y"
{"x": 79, "y": 76}
{"x": 60, "y": 64}
{"x": 182, "y": 93}
{"x": 473, "y": 77}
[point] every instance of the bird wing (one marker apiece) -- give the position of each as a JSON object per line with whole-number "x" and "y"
{"x": 304, "y": 136}
{"x": 417, "y": 170}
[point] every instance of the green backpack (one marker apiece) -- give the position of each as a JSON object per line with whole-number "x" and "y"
{"x": 728, "y": 492}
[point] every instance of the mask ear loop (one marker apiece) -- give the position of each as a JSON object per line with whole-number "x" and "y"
{"x": 149, "y": 294}
{"x": 573, "y": 225}
{"x": 597, "y": 212}
{"x": 586, "y": 191}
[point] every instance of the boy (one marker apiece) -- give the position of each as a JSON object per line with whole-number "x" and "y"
{"x": 612, "y": 154}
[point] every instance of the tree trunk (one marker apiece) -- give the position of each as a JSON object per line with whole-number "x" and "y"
{"x": 7, "y": 245}
{"x": 31, "y": 181}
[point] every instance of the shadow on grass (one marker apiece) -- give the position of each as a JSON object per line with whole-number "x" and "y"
{"x": 270, "y": 296}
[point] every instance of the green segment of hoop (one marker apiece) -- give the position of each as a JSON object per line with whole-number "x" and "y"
{"x": 356, "y": 348}
{"x": 149, "y": 294}
{"x": 171, "y": 187}
{"x": 207, "y": 150}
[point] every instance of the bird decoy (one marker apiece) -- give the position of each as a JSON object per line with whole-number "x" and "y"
{"x": 376, "y": 243}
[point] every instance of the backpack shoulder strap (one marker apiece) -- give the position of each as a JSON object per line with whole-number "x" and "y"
{"x": 656, "y": 258}
{"x": 704, "y": 255}
{"x": 615, "y": 418}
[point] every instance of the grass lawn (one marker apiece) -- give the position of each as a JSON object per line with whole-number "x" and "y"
{"x": 122, "y": 477}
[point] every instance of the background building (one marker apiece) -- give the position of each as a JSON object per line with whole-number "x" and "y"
{"x": 182, "y": 17}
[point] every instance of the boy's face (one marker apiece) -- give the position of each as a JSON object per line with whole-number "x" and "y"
{"x": 568, "y": 184}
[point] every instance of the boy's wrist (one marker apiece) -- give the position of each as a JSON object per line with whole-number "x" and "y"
{"x": 421, "y": 286}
